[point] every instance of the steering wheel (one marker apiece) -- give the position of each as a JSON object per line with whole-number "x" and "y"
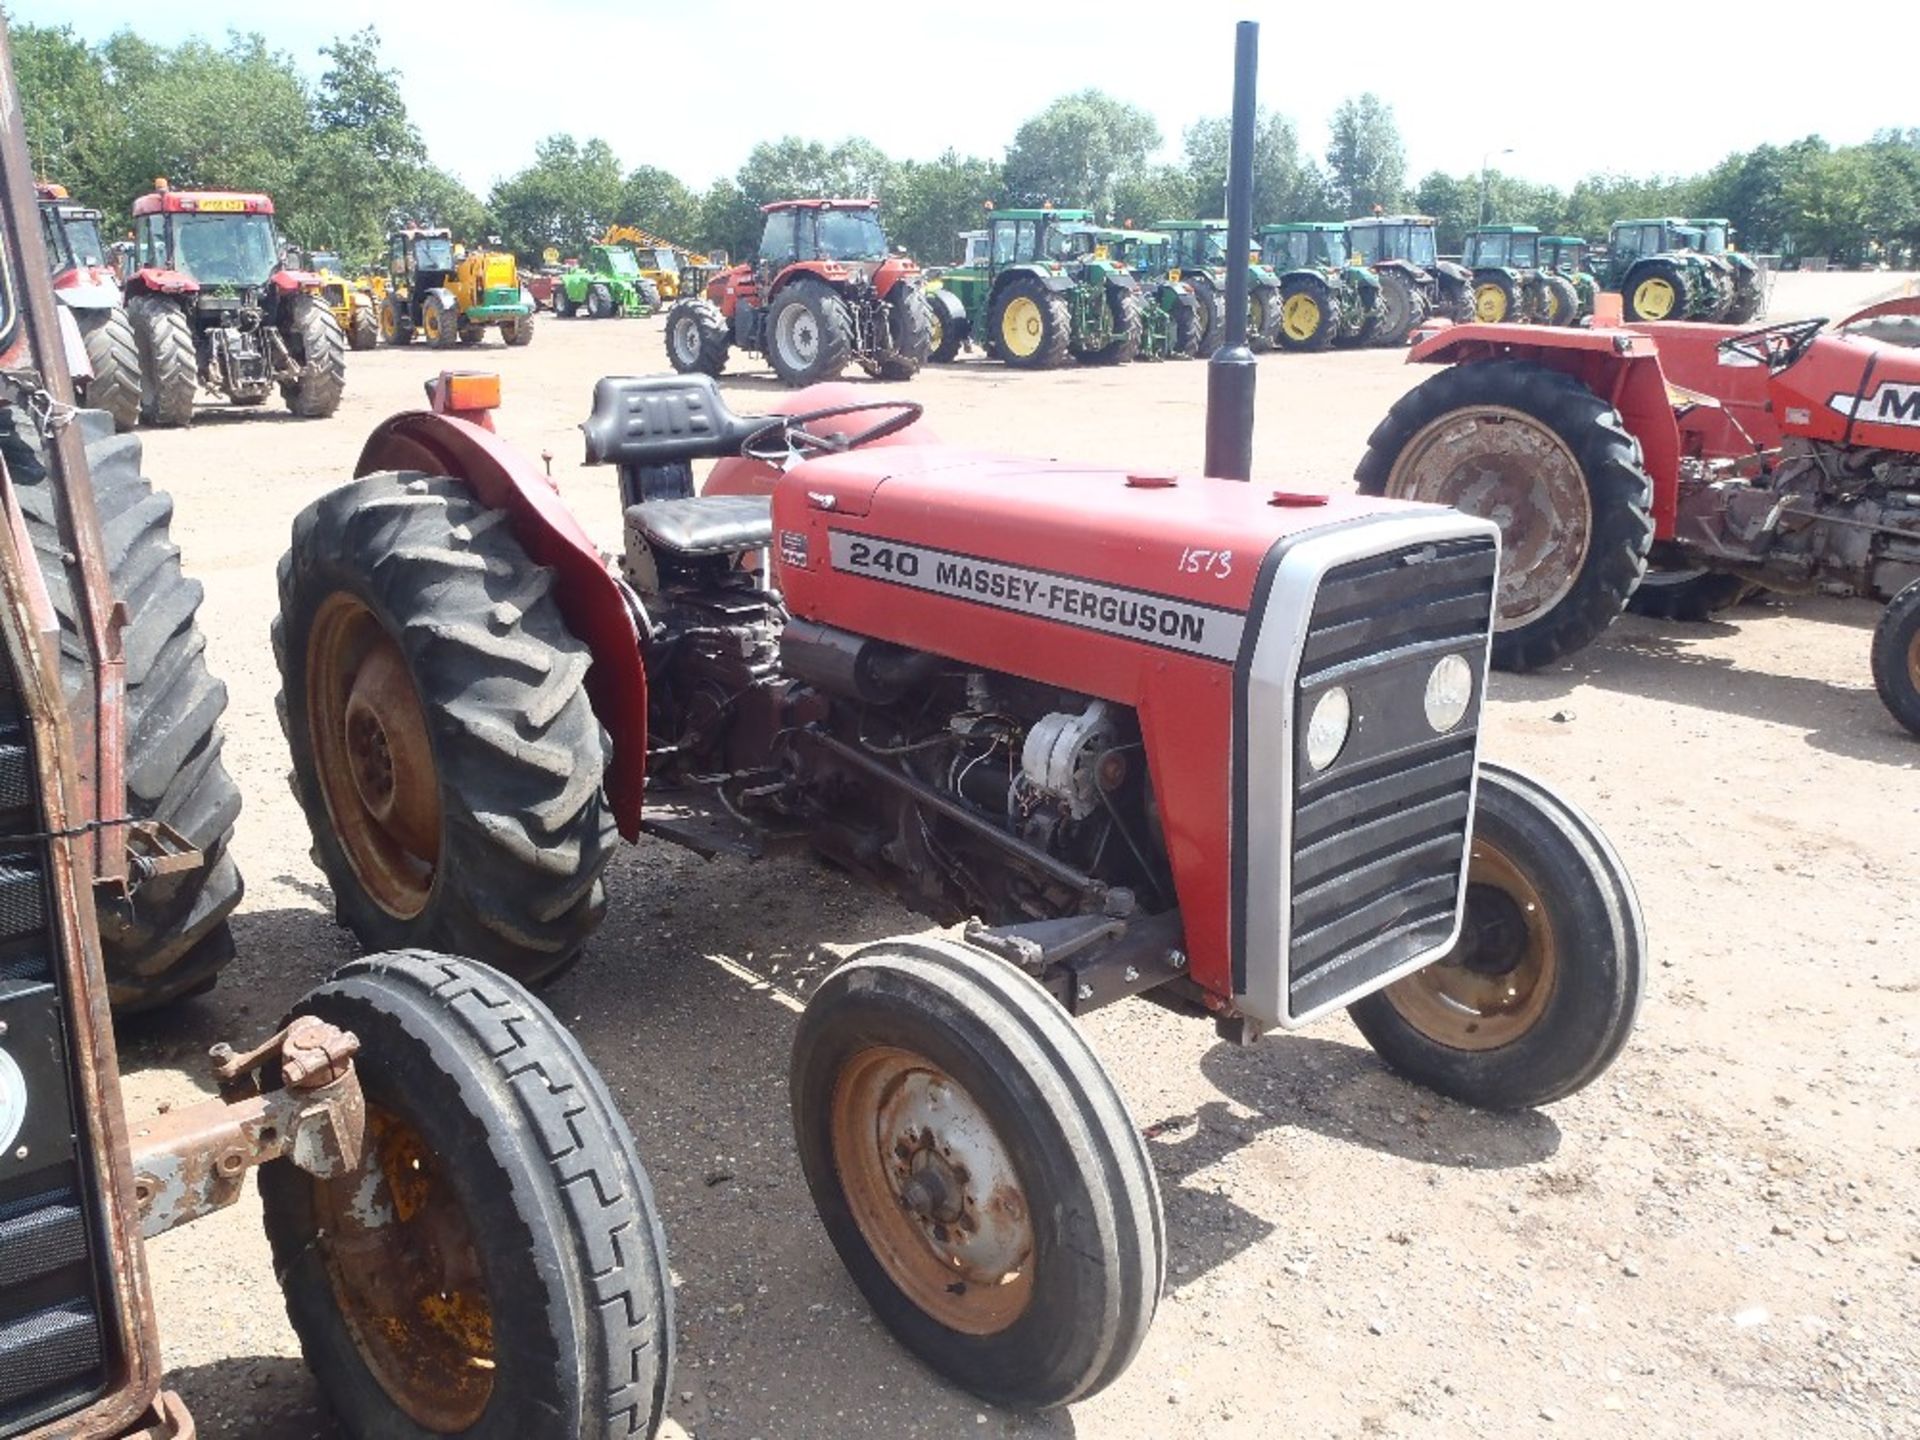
{"x": 784, "y": 436}
{"x": 1775, "y": 346}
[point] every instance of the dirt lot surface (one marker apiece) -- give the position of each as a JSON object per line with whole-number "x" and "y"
{"x": 1720, "y": 1238}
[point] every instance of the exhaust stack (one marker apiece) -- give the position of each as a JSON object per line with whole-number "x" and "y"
{"x": 1230, "y": 373}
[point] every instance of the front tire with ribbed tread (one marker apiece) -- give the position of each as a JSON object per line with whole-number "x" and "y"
{"x": 1896, "y": 657}
{"x": 169, "y": 369}
{"x": 171, "y": 939}
{"x": 517, "y": 751}
{"x": 518, "y": 1133}
{"x": 113, "y": 354}
{"x": 698, "y": 338}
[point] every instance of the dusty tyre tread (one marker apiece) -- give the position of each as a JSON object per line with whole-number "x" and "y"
{"x": 1210, "y": 320}
{"x": 576, "y": 1181}
{"x": 1329, "y": 327}
{"x": 1893, "y": 638}
{"x": 1057, "y": 330}
{"x": 1128, "y": 328}
{"x": 709, "y": 356}
{"x": 322, "y": 353}
{"x": 835, "y": 321}
{"x": 517, "y": 746}
{"x": 169, "y": 369}
{"x": 912, "y": 328}
{"x": 114, "y": 355}
{"x": 1617, "y": 480}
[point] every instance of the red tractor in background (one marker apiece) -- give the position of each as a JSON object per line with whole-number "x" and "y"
{"x": 825, "y": 289}
{"x": 213, "y": 308}
{"x": 1671, "y": 467}
{"x": 84, "y": 282}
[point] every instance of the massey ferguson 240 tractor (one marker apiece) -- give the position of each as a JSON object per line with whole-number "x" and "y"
{"x": 84, "y": 282}
{"x": 212, "y": 308}
{"x": 1724, "y": 456}
{"x": 1207, "y": 741}
{"x": 825, "y": 289}
{"x": 464, "y": 1235}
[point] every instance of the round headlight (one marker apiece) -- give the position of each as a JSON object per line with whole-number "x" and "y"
{"x": 13, "y": 1100}
{"x": 1449, "y": 692}
{"x": 1327, "y": 727}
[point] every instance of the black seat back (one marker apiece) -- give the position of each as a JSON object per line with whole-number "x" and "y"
{"x": 654, "y": 426}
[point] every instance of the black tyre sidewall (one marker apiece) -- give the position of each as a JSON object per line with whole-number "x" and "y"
{"x": 1892, "y": 638}
{"x": 1595, "y": 919}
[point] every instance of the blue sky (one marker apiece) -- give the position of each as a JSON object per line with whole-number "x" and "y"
{"x": 667, "y": 84}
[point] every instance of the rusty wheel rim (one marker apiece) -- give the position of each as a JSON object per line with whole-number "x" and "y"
{"x": 407, "y": 1278}
{"x": 933, "y": 1190}
{"x": 1503, "y": 464}
{"x": 375, "y": 760}
{"x": 1495, "y": 984}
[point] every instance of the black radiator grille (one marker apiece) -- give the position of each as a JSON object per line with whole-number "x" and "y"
{"x": 1379, "y": 837}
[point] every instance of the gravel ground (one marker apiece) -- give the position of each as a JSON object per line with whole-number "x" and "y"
{"x": 1721, "y": 1237}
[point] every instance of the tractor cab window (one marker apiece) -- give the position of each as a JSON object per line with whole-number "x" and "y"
{"x": 1524, "y": 251}
{"x": 1685, "y": 237}
{"x": 1370, "y": 243}
{"x": 663, "y": 258}
{"x": 1714, "y": 239}
{"x": 432, "y": 252}
{"x": 850, "y": 235}
{"x": 1071, "y": 242}
{"x": 58, "y": 256}
{"x": 150, "y": 241}
{"x": 778, "y": 241}
{"x": 1014, "y": 241}
{"x": 225, "y": 249}
{"x": 325, "y": 260}
{"x": 620, "y": 261}
{"x": 1287, "y": 250}
{"x": 1330, "y": 247}
{"x": 1418, "y": 244}
{"x": 1487, "y": 250}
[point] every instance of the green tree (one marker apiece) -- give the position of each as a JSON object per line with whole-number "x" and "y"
{"x": 568, "y": 196}
{"x": 70, "y": 121}
{"x": 1074, "y": 151}
{"x": 729, "y": 220}
{"x": 927, "y": 204}
{"x": 1160, "y": 192}
{"x": 1286, "y": 186}
{"x": 656, "y": 200}
{"x": 1452, "y": 201}
{"x": 230, "y": 118}
{"x": 1366, "y": 158}
{"x": 428, "y": 196}
{"x": 794, "y": 169}
{"x": 361, "y": 98}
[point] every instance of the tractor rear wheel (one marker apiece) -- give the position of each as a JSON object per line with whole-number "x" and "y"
{"x": 312, "y": 336}
{"x": 1029, "y": 324}
{"x": 600, "y": 304}
{"x": 1559, "y": 301}
{"x": 169, "y": 369}
{"x": 113, "y": 354}
{"x": 171, "y": 939}
{"x": 1395, "y": 309}
{"x": 494, "y": 1266}
{"x": 1123, "y": 306}
{"x": 977, "y": 1171}
{"x": 440, "y": 321}
{"x": 516, "y": 331}
{"x": 809, "y": 333}
{"x": 1264, "y": 317}
{"x": 1657, "y": 291}
{"x": 364, "y": 333}
{"x": 697, "y": 337}
{"x": 1210, "y": 319}
{"x": 911, "y": 321}
{"x": 949, "y": 326}
{"x": 1187, "y": 321}
{"x": 444, "y": 748}
{"x": 563, "y": 305}
{"x": 1495, "y": 300}
{"x": 1553, "y": 465}
{"x": 1458, "y": 302}
{"x": 1896, "y": 657}
{"x": 1309, "y": 319}
{"x": 1540, "y": 992}
{"x": 1749, "y": 295}
{"x": 396, "y": 322}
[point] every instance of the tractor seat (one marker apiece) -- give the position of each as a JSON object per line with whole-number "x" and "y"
{"x": 641, "y": 420}
{"x": 703, "y": 525}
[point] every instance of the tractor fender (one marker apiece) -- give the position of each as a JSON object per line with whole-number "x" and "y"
{"x": 1308, "y": 277}
{"x": 1896, "y": 305}
{"x": 1622, "y": 367}
{"x": 1120, "y": 280}
{"x": 445, "y": 296}
{"x": 953, "y": 310}
{"x": 894, "y": 270}
{"x": 590, "y": 599}
{"x": 1059, "y": 284}
{"x": 1361, "y": 276}
{"x": 88, "y": 294}
{"x": 1453, "y": 270}
{"x": 738, "y": 475}
{"x": 157, "y": 281}
{"x": 288, "y": 281}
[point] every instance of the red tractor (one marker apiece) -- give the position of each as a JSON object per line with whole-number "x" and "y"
{"x": 85, "y": 283}
{"x": 825, "y": 289}
{"x": 1191, "y": 739}
{"x": 212, "y": 307}
{"x": 1669, "y": 468}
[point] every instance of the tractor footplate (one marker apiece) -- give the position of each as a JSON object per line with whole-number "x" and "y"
{"x": 696, "y": 821}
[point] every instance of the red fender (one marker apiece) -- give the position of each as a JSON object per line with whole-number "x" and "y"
{"x": 737, "y": 475}
{"x": 290, "y": 280}
{"x": 892, "y": 271}
{"x": 1896, "y": 305}
{"x": 1622, "y": 367}
{"x": 164, "y": 282}
{"x": 590, "y": 599}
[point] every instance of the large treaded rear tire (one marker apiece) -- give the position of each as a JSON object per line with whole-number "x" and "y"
{"x": 172, "y": 938}
{"x": 314, "y": 338}
{"x": 114, "y": 356}
{"x": 1056, "y": 321}
{"x": 1396, "y": 310}
{"x": 1618, "y": 487}
{"x": 1209, "y": 319}
{"x": 169, "y": 370}
{"x": 1326, "y": 325}
{"x": 697, "y": 337}
{"x": 516, "y": 749}
{"x": 506, "y": 1136}
{"x": 365, "y": 331}
{"x": 911, "y": 323}
{"x": 1128, "y": 327}
{"x": 833, "y": 329}
{"x": 1896, "y": 657}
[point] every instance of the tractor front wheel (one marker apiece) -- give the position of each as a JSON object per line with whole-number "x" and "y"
{"x": 1552, "y": 464}
{"x": 113, "y": 354}
{"x": 1896, "y": 657}
{"x": 1539, "y": 993}
{"x": 910, "y": 320}
{"x": 516, "y": 331}
{"x": 312, "y": 336}
{"x": 1658, "y": 291}
{"x": 563, "y": 305}
{"x": 697, "y": 337}
{"x": 396, "y": 322}
{"x": 1309, "y": 319}
{"x": 600, "y": 304}
{"x": 440, "y": 321}
{"x": 977, "y": 1171}
{"x": 494, "y": 1266}
{"x": 809, "y": 333}
{"x": 443, "y": 745}
{"x": 1029, "y": 324}
{"x": 949, "y": 325}
{"x": 1187, "y": 321}
{"x": 169, "y": 369}
{"x": 1495, "y": 299}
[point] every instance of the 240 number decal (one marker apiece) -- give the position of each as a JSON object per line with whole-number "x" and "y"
{"x": 864, "y": 555}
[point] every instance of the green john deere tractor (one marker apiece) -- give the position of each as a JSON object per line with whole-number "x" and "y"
{"x": 1325, "y": 299}
{"x": 1044, "y": 289}
{"x": 1566, "y": 255}
{"x": 1749, "y": 281}
{"x": 1200, "y": 258}
{"x": 1663, "y": 272}
{"x": 605, "y": 284}
{"x": 1508, "y": 284}
{"x": 1414, "y": 281}
{"x": 1169, "y": 310}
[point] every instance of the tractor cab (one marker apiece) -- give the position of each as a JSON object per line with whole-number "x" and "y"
{"x": 846, "y": 231}
{"x": 1380, "y": 238}
{"x": 1563, "y": 252}
{"x": 1198, "y": 244}
{"x": 1504, "y": 247}
{"x": 224, "y": 242}
{"x": 71, "y": 233}
{"x": 1304, "y": 246}
{"x": 420, "y": 256}
{"x": 1044, "y": 237}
